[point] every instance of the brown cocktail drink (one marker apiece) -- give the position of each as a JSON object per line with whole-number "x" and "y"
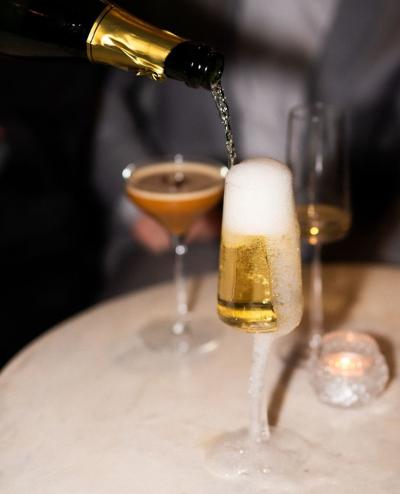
{"x": 176, "y": 193}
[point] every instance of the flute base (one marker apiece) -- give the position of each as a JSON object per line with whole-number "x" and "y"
{"x": 279, "y": 461}
{"x": 196, "y": 336}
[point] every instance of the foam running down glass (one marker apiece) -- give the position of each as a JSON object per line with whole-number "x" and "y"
{"x": 259, "y": 292}
{"x": 176, "y": 192}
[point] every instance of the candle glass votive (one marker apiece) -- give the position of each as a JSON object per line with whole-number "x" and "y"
{"x": 348, "y": 370}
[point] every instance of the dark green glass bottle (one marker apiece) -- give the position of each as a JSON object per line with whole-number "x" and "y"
{"x": 103, "y": 33}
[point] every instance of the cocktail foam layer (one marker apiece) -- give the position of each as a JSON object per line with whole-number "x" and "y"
{"x": 215, "y": 174}
{"x": 259, "y": 198}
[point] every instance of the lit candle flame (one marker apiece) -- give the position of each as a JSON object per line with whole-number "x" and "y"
{"x": 348, "y": 364}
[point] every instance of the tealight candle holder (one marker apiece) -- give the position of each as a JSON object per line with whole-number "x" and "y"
{"x": 348, "y": 370}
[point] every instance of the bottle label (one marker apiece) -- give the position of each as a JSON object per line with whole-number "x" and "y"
{"x": 118, "y": 38}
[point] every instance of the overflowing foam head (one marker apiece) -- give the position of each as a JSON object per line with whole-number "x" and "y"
{"x": 259, "y": 198}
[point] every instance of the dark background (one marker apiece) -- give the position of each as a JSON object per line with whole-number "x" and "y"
{"x": 53, "y": 222}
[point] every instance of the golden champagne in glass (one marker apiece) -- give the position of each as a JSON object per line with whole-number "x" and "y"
{"x": 260, "y": 292}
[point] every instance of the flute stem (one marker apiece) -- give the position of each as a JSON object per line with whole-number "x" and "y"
{"x": 259, "y": 427}
{"x": 316, "y": 301}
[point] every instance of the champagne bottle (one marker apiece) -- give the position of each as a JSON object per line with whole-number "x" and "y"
{"x": 103, "y": 33}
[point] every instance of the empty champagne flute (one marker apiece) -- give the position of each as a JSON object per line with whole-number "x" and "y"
{"x": 176, "y": 191}
{"x": 316, "y": 155}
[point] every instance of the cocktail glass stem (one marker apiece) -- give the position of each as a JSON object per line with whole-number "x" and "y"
{"x": 180, "y": 326}
{"x": 316, "y": 302}
{"x": 259, "y": 426}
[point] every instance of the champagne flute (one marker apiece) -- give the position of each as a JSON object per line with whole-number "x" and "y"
{"x": 316, "y": 155}
{"x": 259, "y": 292}
{"x": 176, "y": 192}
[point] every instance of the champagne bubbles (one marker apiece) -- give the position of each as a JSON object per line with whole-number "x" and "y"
{"x": 260, "y": 286}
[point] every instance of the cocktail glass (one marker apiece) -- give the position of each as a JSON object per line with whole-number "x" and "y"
{"x": 176, "y": 191}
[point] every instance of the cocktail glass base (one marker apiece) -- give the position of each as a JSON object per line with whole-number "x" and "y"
{"x": 200, "y": 335}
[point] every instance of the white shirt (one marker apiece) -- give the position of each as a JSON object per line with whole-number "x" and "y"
{"x": 290, "y": 34}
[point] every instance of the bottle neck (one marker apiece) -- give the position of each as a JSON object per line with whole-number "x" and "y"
{"x": 118, "y": 38}
{"x": 196, "y": 64}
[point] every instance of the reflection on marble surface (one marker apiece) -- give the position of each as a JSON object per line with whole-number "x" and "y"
{"x": 86, "y": 409}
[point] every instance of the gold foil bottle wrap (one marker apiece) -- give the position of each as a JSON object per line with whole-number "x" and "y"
{"x": 117, "y": 38}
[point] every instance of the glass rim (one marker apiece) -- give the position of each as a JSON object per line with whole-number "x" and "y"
{"x": 313, "y": 110}
{"x": 349, "y": 337}
{"x": 171, "y": 158}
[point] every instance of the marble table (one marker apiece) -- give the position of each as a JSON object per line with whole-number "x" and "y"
{"x": 87, "y": 409}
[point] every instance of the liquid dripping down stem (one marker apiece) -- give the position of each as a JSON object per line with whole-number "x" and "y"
{"x": 259, "y": 427}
